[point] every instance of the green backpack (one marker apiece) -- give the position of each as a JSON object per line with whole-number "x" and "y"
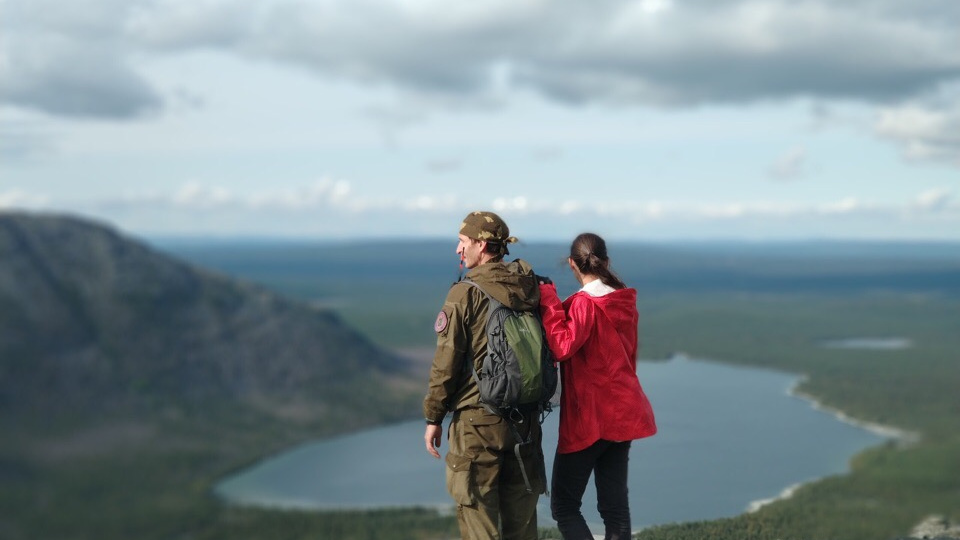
{"x": 518, "y": 372}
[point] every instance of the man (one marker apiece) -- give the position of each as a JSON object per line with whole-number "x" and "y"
{"x": 484, "y": 476}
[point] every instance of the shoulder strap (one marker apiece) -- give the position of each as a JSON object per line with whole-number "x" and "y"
{"x": 469, "y": 281}
{"x": 492, "y": 304}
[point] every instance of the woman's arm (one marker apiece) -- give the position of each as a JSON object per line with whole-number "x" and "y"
{"x": 566, "y": 331}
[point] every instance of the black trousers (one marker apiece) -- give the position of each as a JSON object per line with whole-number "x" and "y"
{"x": 608, "y": 462}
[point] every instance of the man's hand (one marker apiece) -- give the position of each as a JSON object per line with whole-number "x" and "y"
{"x": 432, "y": 438}
{"x": 543, "y": 280}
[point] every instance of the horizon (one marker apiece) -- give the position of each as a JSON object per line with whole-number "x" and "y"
{"x": 184, "y": 237}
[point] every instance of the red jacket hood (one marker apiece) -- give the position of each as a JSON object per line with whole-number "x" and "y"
{"x": 620, "y": 309}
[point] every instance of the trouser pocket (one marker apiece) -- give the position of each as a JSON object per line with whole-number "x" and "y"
{"x": 460, "y": 479}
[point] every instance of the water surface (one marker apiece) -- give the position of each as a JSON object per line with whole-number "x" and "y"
{"x": 869, "y": 343}
{"x": 729, "y": 436}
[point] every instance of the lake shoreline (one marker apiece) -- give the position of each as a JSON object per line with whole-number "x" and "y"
{"x": 902, "y": 436}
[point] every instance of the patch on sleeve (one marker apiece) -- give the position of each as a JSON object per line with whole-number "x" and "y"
{"x": 441, "y": 323}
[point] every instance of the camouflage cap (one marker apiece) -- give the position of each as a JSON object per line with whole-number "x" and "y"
{"x": 488, "y": 227}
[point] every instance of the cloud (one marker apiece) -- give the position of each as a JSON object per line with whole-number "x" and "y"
{"x": 178, "y": 24}
{"x": 643, "y": 52}
{"x": 66, "y": 61}
{"x": 934, "y": 200}
{"x": 512, "y": 204}
{"x": 323, "y": 193}
{"x": 790, "y": 165}
{"x": 16, "y": 198}
{"x": 331, "y": 207}
{"x": 81, "y": 60}
{"x": 84, "y": 82}
{"x": 197, "y": 195}
{"x": 847, "y": 205}
{"x": 319, "y": 194}
{"x": 445, "y": 165}
{"x": 924, "y": 131}
{"x": 432, "y": 203}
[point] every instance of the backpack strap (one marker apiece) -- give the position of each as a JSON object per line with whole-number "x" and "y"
{"x": 516, "y": 449}
{"x": 493, "y": 304}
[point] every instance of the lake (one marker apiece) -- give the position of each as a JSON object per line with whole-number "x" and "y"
{"x": 869, "y": 343}
{"x": 729, "y": 437}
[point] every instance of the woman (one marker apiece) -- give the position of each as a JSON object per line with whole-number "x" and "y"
{"x": 593, "y": 335}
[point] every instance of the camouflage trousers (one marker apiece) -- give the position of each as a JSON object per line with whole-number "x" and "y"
{"x": 484, "y": 476}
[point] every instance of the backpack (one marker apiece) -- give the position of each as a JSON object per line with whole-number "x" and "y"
{"x": 518, "y": 372}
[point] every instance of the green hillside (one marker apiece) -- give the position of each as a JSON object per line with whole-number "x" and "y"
{"x": 131, "y": 381}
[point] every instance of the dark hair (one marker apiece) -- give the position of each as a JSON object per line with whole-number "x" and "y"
{"x": 589, "y": 253}
{"x": 497, "y": 249}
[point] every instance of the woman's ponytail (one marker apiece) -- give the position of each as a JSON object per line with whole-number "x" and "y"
{"x": 589, "y": 253}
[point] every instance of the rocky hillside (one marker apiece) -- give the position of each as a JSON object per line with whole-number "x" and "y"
{"x": 92, "y": 318}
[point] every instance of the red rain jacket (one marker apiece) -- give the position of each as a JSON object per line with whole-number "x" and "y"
{"x": 595, "y": 340}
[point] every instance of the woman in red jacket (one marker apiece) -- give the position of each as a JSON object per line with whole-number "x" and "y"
{"x": 593, "y": 335}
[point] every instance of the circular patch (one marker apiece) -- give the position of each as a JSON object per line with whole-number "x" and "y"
{"x": 441, "y": 323}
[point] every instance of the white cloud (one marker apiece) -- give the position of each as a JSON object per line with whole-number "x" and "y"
{"x": 16, "y": 198}
{"x": 569, "y": 207}
{"x": 70, "y": 60}
{"x": 789, "y": 165}
{"x": 322, "y": 193}
{"x": 331, "y": 207}
{"x": 655, "y": 6}
{"x": 197, "y": 23}
{"x": 515, "y": 204}
{"x": 197, "y": 195}
{"x": 933, "y": 200}
{"x": 79, "y": 59}
{"x": 843, "y": 206}
{"x": 924, "y": 131}
{"x": 445, "y": 165}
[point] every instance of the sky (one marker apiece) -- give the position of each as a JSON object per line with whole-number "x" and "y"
{"x": 639, "y": 120}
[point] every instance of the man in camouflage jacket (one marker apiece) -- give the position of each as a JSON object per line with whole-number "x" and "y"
{"x": 484, "y": 476}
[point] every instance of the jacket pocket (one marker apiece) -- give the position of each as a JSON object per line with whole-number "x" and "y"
{"x": 460, "y": 479}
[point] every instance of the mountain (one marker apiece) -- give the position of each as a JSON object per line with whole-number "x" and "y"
{"x": 92, "y": 318}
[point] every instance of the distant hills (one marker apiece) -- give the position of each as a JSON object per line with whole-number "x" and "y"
{"x": 425, "y": 266}
{"x": 91, "y": 318}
